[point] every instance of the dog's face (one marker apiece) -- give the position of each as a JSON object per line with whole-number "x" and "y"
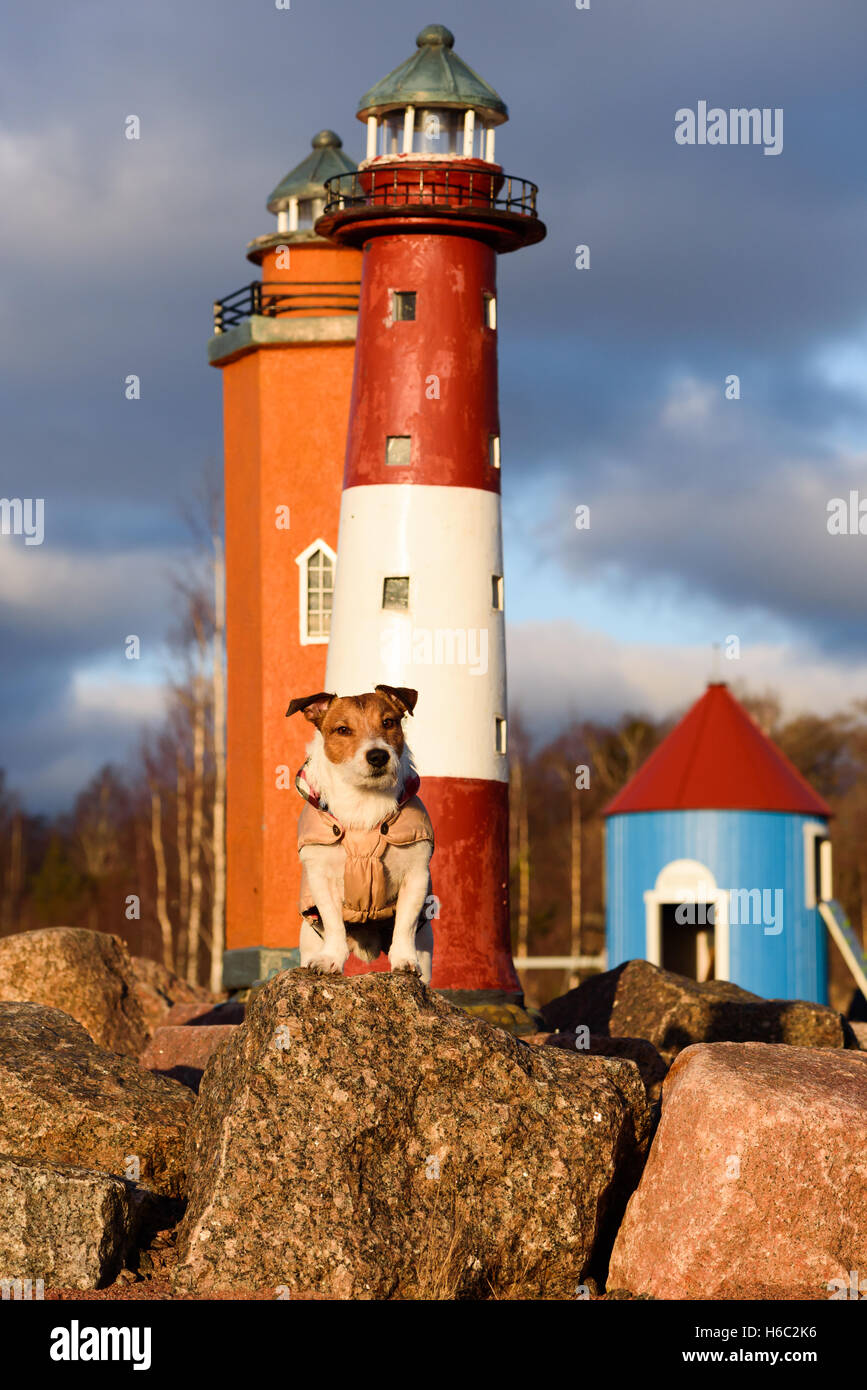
{"x": 362, "y": 734}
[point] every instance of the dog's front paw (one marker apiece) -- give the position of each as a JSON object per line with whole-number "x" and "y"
{"x": 407, "y": 962}
{"x": 325, "y": 964}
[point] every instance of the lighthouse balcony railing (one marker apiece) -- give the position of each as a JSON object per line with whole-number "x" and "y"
{"x": 405, "y": 186}
{"x": 274, "y": 299}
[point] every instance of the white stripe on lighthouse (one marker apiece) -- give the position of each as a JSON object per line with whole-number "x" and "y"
{"x": 449, "y": 644}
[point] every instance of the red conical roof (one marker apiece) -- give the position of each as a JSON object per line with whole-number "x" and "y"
{"x": 718, "y": 759}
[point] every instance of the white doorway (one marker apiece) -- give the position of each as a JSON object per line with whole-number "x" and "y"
{"x": 699, "y": 946}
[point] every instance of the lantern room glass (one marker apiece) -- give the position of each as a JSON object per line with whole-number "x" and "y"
{"x": 439, "y": 130}
{"x": 391, "y": 133}
{"x": 436, "y": 130}
{"x": 309, "y": 209}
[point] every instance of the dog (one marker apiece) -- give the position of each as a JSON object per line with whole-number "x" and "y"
{"x": 364, "y": 838}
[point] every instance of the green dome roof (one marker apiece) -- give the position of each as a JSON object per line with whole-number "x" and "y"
{"x": 433, "y": 76}
{"x": 307, "y": 180}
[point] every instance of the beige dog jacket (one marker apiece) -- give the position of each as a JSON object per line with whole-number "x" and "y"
{"x": 365, "y": 888}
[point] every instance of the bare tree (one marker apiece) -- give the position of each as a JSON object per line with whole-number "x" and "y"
{"x": 567, "y": 776}
{"x": 200, "y": 713}
{"x": 160, "y": 862}
{"x": 183, "y": 840}
{"x": 523, "y": 857}
{"x": 575, "y": 877}
{"x": 196, "y": 816}
{"x": 13, "y": 881}
{"x": 218, "y": 906}
{"x": 618, "y": 754}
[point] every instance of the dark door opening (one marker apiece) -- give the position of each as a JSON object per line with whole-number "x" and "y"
{"x": 687, "y": 948}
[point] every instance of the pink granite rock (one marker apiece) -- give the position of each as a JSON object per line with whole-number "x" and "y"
{"x": 650, "y": 1063}
{"x": 359, "y": 1137}
{"x": 860, "y": 1031}
{"x": 86, "y": 974}
{"x": 159, "y": 989}
{"x": 204, "y": 1014}
{"x": 639, "y": 1000}
{"x": 68, "y": 1226}
{"x": 182, "y": 1052}
{"x": 756, "y": 1183}
{"x": 63, "y": 1100}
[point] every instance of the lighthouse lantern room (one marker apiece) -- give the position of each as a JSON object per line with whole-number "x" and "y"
{"x": 299, "y": 198}
{"x": 433, "y": 106}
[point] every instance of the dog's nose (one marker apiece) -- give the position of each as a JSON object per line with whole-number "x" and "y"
{"x": 377, "y": 757}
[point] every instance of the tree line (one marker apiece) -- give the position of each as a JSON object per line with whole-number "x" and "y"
{"x": 142, "y": 851}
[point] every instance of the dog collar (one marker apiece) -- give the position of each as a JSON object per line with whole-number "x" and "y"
{"x": 311, "y": 794}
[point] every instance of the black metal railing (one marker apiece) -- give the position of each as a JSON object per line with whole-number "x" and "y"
{"x": 398, "y": 186}
{"x": 276, "y": 298}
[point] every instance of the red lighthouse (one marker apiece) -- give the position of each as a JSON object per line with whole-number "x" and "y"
{"x": 419, "y": 595}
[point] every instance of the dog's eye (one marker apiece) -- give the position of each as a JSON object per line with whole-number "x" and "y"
{"x": 342, "y": 729}
{"x": 388, "y": 723}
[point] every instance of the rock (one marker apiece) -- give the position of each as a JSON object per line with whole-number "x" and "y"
{"x": 205, "y": 1014}
{"x": 87, "y": 974}
{"x": 638, "y": 1000}
{"x": 65, "y": 1100}
{"x": 756, "y": 1184}
{"x": 651, "y": 1065}
{"x": 857, "y": 1008}
{"x": 182, "y": 1053}
{"x": 68, "y": 1226}
{"x": 513, "y": 1017}
{"x": 159, "y": 989}
{"x": 860, "y": 1031}
{"x": 360, "y": 1137}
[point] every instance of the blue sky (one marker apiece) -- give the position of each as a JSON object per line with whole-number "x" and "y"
{"x": 708, "y": 516}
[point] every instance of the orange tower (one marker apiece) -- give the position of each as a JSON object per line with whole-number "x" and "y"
{"x": 285, "y": 345}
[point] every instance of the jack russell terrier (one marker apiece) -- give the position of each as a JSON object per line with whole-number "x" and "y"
{"x": 364, "y": 837}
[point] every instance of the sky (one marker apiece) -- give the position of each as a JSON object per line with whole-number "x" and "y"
{"x": 708, "y": 515}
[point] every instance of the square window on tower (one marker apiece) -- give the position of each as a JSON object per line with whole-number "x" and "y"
{"x": 403, "y": 306}
{"x": 490, "y": 310}
{"x": 499, "y": 735}
{"x": 395, "y": 592}
{"x": 398, "y": 450}
{"x": 497, "y": 592}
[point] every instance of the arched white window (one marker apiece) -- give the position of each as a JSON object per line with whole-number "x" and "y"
{"x": 316, "y": 567}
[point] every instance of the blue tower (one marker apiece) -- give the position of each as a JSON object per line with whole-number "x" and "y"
{"x": 718, "y": 859}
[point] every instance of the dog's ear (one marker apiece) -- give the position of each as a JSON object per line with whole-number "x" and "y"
{"x": 313, "y": 707}
{"x": 407, "y": 699}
